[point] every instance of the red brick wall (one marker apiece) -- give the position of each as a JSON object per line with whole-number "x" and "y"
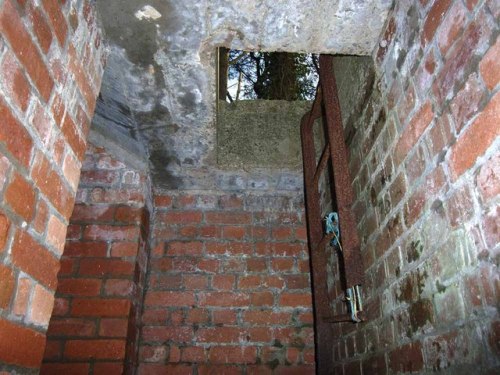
{"x": 426, "y": 173}
{"x": 51, "y": 63}
{"x": 228, "y": 286}
{"x": 100, "y": 285}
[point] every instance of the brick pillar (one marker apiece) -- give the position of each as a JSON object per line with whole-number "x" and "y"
{"x": 100, "y": 285}
{"x": 228, "y": 286}
{"x": 51, "y": 63}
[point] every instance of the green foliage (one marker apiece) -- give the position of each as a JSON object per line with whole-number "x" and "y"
{"x": 272, "y": 75}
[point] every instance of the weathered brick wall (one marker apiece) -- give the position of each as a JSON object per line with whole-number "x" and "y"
{"x": 103, "y": 268}
{"x": 51, "y": 62}
{"x": 425, "y": 166}
{"x": 228, "y": 286}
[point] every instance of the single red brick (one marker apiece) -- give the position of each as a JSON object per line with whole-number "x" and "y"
{"x": 94, "y": 349}
{"x": 259, "y": 232}
{"x": 119, "y": 287}
{"x": 15, "y": 84}
{"x": 223, "y": 282}
{"x": 455, "y": 66}
{"x": 106, "y": 267}
{"x": 297, "y": 281}
{"x": 228, "y": 217}
{"x": 85, "y": 249}
{"x": 20, "y": 345}
{"x": 76, "y": 67}
{"x": 21, "y": 197}
{"x": 476, "y": 139}
{"x": 163, "y": 201}
{"x": 40, "y": 27}
{"x": 197, "y": 316}
{"x": 209, "y": 265}
{"x": 176, "y": 334}
{"x": 56, "y": 233}
{"x": 281, "y": 233}
{"x": 41, "y": 306}
{"x": 234, "y": 232}
{"x": 6, "y": 286}
{"x": 76, "y": 142}
{"x": 71, "y": 171}
{"x": 65, "y": 368}
{"x": 56, "y": 17}
{"x": 228, "y": 354}
{"x": 193, "y": 248}
{"x": 414, "y": 130}
{"x": 193, "y": 354}
{"x": 34, "y": 259}
{"x": 15, "y": 137}
{"x": 111, "y": 233}
{"x": 223, "y": 299}
{"x": 228, "y": 202}
{"x": 193, "y": 282}
{"x": 225, "y": 317}
{"x": 288, "y": 249}
{"x": 467, "y": 101}
{"x": 390, "y": 31}
{"x": 79, "y": 287}
{"x": 220, "y": 335}
{"x": 124, "y": 249}
{"x": 282, "y": 264}
{"x": 249, "y": 282}
{"x": 211, "y": 231}
{"x": 490, "y": 66}
{"x": 22, "y": 296}
{"x": 100, "y": 307}
{"x": 12, "y": 27}
{"x": 169, "y": 299}
{"x": 50, "y": 184}
{"x": 488, "y": 180}
{"x": 71, "y": 327}
{"x": 113, "y": 327}
{"x": 129, "y": 215}
{"x": 4, "y": 230}
{"x": 256, "y": 265}
{"x": 182, "y": 217}
{"x": 295, "y": 299}
{"x": 258, "y": 299}
{"x": 433, "y": 19}
{"x": 92, "y": 213}
{"x": 451, "y": 27}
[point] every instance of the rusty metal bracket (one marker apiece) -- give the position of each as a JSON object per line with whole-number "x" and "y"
{"x": 327, "y": 105}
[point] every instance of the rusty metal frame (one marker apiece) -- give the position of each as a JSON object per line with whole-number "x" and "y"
{"x": 327, "y": 106}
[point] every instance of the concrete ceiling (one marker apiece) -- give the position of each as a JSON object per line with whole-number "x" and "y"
{"x": 158, "y": 93}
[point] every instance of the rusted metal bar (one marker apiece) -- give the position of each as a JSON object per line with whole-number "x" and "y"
{"x": 354, "y": 272}
{"x": 323, "y": 330}
{"x": 325, "y": 156}
{"x": 327, "y": 104}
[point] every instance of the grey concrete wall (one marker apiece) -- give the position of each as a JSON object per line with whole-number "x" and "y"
{"x": 260, "y": 133}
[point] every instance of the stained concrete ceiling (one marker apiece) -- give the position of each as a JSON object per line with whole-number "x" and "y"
{"x": 158, "y": 94}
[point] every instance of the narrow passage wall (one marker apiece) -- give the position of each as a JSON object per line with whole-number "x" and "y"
{"x": 51, "y": 62}
{"x": 228, "y": 286}
{"x": 424, "y": 157}
{"x": 95, "y": 324}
